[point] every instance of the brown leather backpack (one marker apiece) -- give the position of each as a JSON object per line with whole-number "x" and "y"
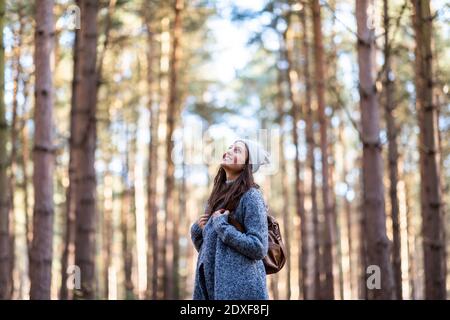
{"x": 276, "y": 255}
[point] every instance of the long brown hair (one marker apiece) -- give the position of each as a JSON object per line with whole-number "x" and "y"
{"x": 227, "y": 195}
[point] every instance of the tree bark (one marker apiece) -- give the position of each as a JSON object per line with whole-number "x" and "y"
{"x": 69, "y": 237}
{"x": 347, "y": 208}
{"x": 127, "y": 217}
{"x": 24, "y": 161}
{"x": 161, "y": 144}
{"x": 182, "y": 199}
{"x": 25, "y": 181}
{"x": 310, "y": 141}
{"x": 336, "y": 235}
{"x": 171, "y": 241}
{"x": 377, "y": 243}
{"x": 5, "y": 283}
{"x": 84, "y": 153}
{"x": 327, "y": 291}
{"x": 362, "y": 257}
{"x": 43, "y": 152}
{"x": 296, "y": 113}
{"x": 411, "y": 240}
{"x": 389, "y": 107}
{"x": 152, "y": 257}
{"x": 107, "y": 224}
{"x": 283, "y": 173}
{"x": 431, "y": 197}
{"x": 17, "y": 70}
{"x": 335, "y": 104}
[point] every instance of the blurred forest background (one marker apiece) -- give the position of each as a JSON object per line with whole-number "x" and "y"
{"x": 92, "y": 111}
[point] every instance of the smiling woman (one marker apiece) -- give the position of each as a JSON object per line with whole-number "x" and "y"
{"x": 234, "y": 159}
{"x": 229, "y": 264}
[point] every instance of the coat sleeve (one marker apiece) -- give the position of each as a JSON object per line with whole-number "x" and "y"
{"x": 254, "y": 242}
{"x": 196, "y": 236}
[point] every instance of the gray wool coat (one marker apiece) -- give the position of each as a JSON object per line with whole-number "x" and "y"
{"x": 229, "y": 265}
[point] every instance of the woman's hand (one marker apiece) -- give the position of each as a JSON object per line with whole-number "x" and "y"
{"x": 220, "y": 212}
{"x": 202, "y": 221}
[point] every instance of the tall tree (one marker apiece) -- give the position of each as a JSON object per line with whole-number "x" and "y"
{"x": 171, "y": 265}
{"x": 84, "y": 150}
{"x": 162, "y": 89}
{"x": 389, "y": 107}
{"x": 107, "y": 228}
{"x": 67, "y": 257}
{"x": 128, "y": 214}
{"x": 334, "y": 86}
{"x": 431, "y": 197}
{"x": 182, "y": 200}
{"x": 297, "y": 113}
{"x": 17, "y": 71}
{"x": 42, "y": 243}
{"x": 152, "y": 234}
{"x": 327, "y": 291}
{"x": 362, "y": 238}
{"x": 377, "y": 244}
{"x": 281, "y": 74}
{"x": 5, "y": 285}
{"x": 336, "y": 235}
{"x": 411, "y": 239}
{"x": 24, "y": 161}
{"x": 310, "y": 141}
{"x": 347, "y": 207}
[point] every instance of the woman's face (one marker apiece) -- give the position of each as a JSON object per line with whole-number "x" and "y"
{"x": 234, "y": 158}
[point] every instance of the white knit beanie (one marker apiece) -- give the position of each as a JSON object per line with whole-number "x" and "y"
{"x": 257, "y": 154}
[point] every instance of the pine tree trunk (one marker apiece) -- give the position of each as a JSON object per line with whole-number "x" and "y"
{"x": 84, "y": 153}
{"x": 107, "y": 232}
{"x": 5, "y": 285}
{"x": 176, "y": 252}
{"x": 42, "y": 244}
{"x": 334, "y": 85}
{"x": 26, "y": 202}
{"x": 175, "y": 95}
{"x": 377, "y": 244}
{"x": 327, "y": 291}
{"x": 336, "y": 236}
{"x": 69, "y": 237}
{"x": 353, "y": 284}
{"x": 296, "y": 113}
{"x": 283, "y": 173}
{"x": 348, "y": 216}
{"x": 161, "y": 147}
{"x": 310, "y": 141}
{"x": 127, "y": 214}
{"x": 24, "y": 162}
{"x": 362, "y": 245}
{"x": 173, "y": 103}
{"x": 17, "y": 70}
{"x": 347, "y": 208}
{"x": 152, "y": 257}
{"x": 182, "y": 200}
{"x": 389, "y": 107}
{"x": 411, "y": 240}
{"x": 25, "y": 181}
{"x": 431, "y": 197}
